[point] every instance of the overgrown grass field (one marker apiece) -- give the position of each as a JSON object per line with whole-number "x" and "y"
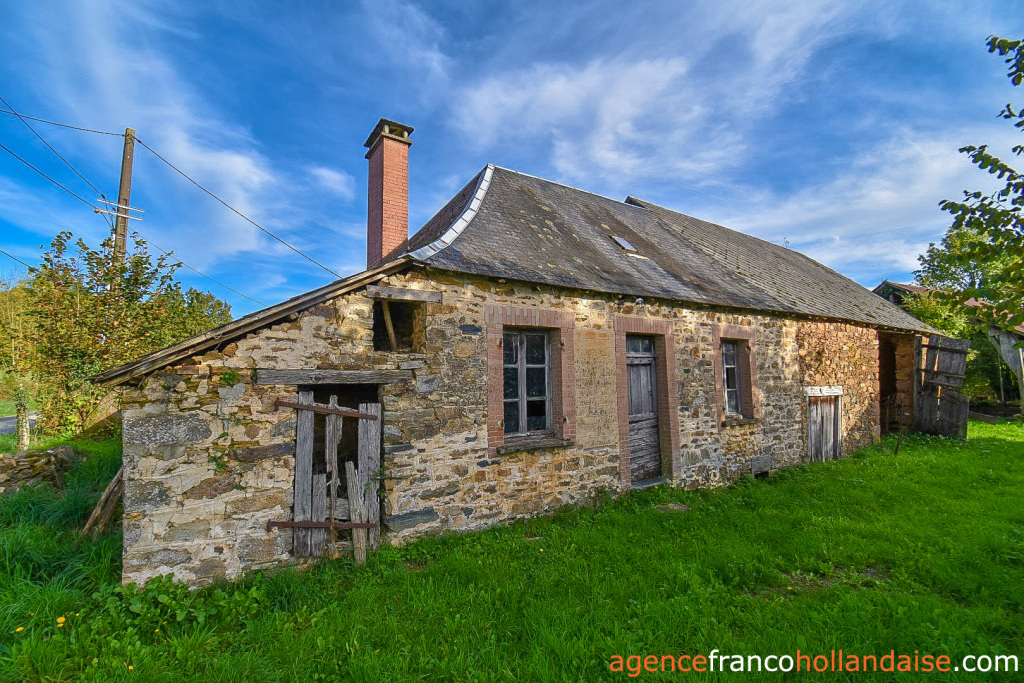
{"x": 922, "y": 551}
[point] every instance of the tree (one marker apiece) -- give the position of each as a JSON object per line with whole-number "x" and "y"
{"x": 994, "y": 223}
{"x": 92, "y": 312}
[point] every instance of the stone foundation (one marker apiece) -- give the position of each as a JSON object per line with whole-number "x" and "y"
{"x": 209, "y": 459}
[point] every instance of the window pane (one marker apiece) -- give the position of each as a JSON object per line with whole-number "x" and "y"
{"x": 511, "y": 343}
{"x": 730, "y": 378}
{"x": 535, "y": 352}
{"x": 733, "y": 398}
{"x": 639, "y": 345}
{"x": 729, "y": 352}
{"x": 511, "y": 383}
{"x": 511, "y": 417}
{"x": 536, "y": 415}
{"x": 536, "y": 383}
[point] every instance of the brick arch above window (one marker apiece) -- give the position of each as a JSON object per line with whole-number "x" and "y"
{"x": 749, "y": 395}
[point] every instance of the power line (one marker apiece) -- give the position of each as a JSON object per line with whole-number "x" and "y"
{"x": 66, "y": 162}
{"x": 15, "y": 258}
{"x": 202, "y": 274}
{"x": 62, "y": 125}
{"x": 78, "y": 197}
{"x": 236, "y": 211}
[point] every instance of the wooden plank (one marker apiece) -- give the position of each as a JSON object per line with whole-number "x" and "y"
{"x": 341, "y": 512}
{"x": 325, "y": 410}
{"x": 303, "y": 497}
{"x": 369, "y": 469}
{"x": 823, "y": 391}
{"x": 332, "y": 437}
{"x": 331, "y": 376}
{"x": 386, "y": 307}
{"x": 97, "y": 511}
{"x": 401, "y": 294}
{"x": 813, "y": 430}
{"x": 318, "y": 513}
{"x": 355, "y": 504}
{"x": 317, "y": 525}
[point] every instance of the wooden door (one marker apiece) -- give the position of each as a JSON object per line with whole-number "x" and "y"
{"x": 644, "y": 435}
{"x": 824, "y": 428}
{"x": 939, "y": 407}
{"x": 332, "y": 493}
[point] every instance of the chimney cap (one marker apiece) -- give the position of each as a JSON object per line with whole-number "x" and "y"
{"x": 389, "y": 129}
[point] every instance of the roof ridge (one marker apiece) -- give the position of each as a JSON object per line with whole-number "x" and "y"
{"x": 621, "y": 202}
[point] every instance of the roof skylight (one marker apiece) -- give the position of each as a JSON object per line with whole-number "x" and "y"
{"x": 624, "y": 243}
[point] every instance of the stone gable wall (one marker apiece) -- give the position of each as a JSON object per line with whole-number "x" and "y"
{"x": 209, "y": 460}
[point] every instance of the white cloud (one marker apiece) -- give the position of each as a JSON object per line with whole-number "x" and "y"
{"x": 337, "y": 182}
{"x": 875, "y": 216}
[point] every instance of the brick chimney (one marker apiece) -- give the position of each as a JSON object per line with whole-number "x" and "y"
{"x": 387, "y": 210}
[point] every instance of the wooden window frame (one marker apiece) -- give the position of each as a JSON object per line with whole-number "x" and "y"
{"x": 522, "y": 366}
{"x": 667, "y": 392}
{"x": 750, "y": 398}
{"x": 737, "y": 373}
{"x": 560, "y": 326}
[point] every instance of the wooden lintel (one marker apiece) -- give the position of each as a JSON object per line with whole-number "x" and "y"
{"x": 401, "y": 294}
{"x": 331, "y": 376}
{"x": 326, "y": 410}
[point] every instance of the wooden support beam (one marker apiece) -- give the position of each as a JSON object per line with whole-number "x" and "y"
{"x": 318, "y": 525}
{"x": 369, "y": 470}
{"x": 401, "y": 294}
{"x": 388, "y": 323}
{"x": 326, "y": 410}
{"x": 303, "y": 497}
{"x": 331, "y": 376}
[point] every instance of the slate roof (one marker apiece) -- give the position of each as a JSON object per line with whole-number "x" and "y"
{"x": 521, "y": 227}
{"x": 511, "y": 225}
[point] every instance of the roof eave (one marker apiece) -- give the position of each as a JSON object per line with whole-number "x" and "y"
{"x": 262, "y": 318}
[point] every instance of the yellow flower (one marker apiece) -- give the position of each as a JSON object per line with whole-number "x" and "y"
{"x": 156, "y": 630}
{"x": 61, "y": 620}
{"x": 789, "y": 588}
{"x": 60, "y": 625}
{"x": 19, "y": 629}
{"x": 131, "y": 668}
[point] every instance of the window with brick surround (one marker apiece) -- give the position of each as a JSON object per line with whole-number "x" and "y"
{"x": 559, "y": 402}
{"x": 731, "y": 375}
{"x": 736, "y": 373}
{"x": 526, "y": 366}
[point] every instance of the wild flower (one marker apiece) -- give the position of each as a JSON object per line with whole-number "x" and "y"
{"x": 19, "y": 629}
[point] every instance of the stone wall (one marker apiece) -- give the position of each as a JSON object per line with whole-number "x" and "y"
{"x": 209, "y": 459}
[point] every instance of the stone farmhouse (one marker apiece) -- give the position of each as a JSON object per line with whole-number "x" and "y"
{"x": 531, "y": 346}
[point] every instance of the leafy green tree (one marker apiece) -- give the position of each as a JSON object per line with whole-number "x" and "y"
{"x": 993, "y": 224}
{"x": 91, "y": 312}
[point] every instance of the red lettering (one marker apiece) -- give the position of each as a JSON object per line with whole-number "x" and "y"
{"x": 703, "y": 661}
{"x": 942, "y": 661}
{"x": 649, "y": 661}
{"x": 824, "y": 663}
{"x": 620, "y": 663}
{"x": 904, "y": 663}
{"x": 926, "y": 661}
{"x": 671, "y": 661}
{"x": 892, "y": 660}
{"x": 802, "y": 657}
{"x": 681, "y": 658}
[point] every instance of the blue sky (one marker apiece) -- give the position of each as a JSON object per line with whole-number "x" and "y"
{"x": 830, "y": 126}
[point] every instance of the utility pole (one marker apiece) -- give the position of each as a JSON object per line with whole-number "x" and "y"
{"x": 124, "y": 196}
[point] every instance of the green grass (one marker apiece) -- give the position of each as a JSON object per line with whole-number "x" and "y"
{"x": 921, "y": 551}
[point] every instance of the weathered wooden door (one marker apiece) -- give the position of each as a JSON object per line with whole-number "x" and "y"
{"x": 824, "y": 427}
{"x": 331, "y": 494}
{"x": 644, "y": 436}
{"x": 939, "y": 407}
